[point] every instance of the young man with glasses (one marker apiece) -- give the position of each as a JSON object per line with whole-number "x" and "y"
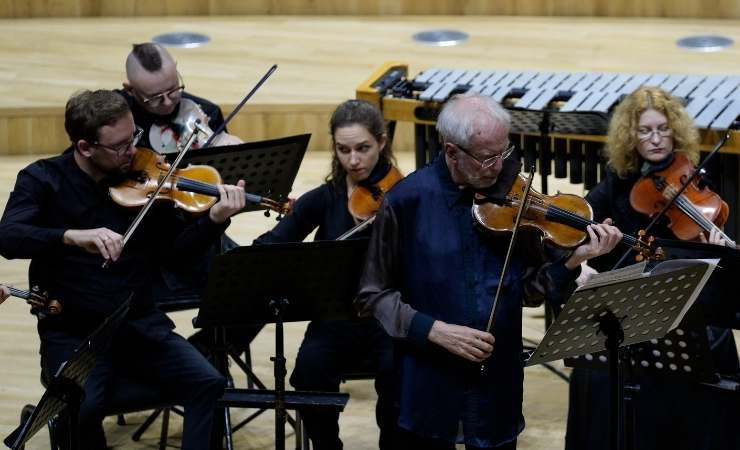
{"x": 60, "y": 216}
{"x": 155, "y": 91}
{"x": 430, "y": 279}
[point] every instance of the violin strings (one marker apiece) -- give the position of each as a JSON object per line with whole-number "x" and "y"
{"x": 690, "y": 210}
{"x": 570, "y": 218}
{"x": 18, "y": 292}
{"x": 575, "y": 218}
{"x": 196, "y": 184}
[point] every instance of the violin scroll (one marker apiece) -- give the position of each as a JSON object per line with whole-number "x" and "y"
{"x": 39, "y": 301}
{"x": 281, "y": 208}
{"x": 643, "y": 247}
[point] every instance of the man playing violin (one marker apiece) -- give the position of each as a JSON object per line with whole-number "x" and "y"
{"x": 163, "y": 109}
{"x": 156, "y": 94}
{"x": 361, "y": 156}
{"x": 431, "y": 276}
{"x": 647, "y": 130}
{"x": 60, "y": 215}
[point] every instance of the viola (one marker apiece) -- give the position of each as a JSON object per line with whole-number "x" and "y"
{"x": 364, "y": 201}
{"x": 40, "y": 302}
{"x": 561, "y": 219}
{"x": 193, "y": 189}
{"x": 170, "y": 137}
{"x": 695, "y": 211}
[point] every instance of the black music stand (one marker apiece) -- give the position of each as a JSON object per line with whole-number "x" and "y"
{"x": 267, "y": 167}
{"x": 66, "y": 389}
{"x": 279, "y": 283}
{"x": 719, "y": 306}
{"x": 620, "y": 308}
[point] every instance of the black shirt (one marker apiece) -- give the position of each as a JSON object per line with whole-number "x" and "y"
{"x": 53, "y": 195}
{"x": 324, "y": 207}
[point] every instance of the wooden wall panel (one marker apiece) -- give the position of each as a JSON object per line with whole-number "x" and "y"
{"x": 45, "y": 134}
{"x": 33, "y": 133}
{"x": 724, "y": 9}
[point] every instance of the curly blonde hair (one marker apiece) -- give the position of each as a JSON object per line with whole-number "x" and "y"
{"x": 622, "y": 142}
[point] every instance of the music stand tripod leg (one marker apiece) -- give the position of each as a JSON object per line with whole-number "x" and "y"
{"x": 278, "y": 308}
{"x": 610, "y": 326}
{"x": 71, "y": 394}
{"x": 221, "y": 362}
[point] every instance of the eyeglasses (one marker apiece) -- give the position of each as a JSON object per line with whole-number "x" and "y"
{"x": 157, "y": 99}
{"x": 120, "y": 149}
{"x": 489, "y": 162}
{"x": 646, "y": 134}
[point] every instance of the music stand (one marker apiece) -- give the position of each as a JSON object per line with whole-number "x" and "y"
{"x": 283, "y": 283}
{"x": 719, "y": 306}
{"x": 620, "y": 308}
{"x": 66, "y": 389}
{"x": 267, "y": 167}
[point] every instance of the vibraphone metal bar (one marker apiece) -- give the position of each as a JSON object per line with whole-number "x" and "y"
{"x": 561, "y": 119}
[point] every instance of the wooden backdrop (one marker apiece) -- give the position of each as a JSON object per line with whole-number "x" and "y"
{"x": 321, "y": 61}
{"x": 724, "y": 9}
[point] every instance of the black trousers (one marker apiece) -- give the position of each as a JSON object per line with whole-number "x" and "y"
{"x": 171, "y": 365}
{"x": 332, "y": 348}
{"x": 408, "y": 440}
{"x": 666, "y": 413}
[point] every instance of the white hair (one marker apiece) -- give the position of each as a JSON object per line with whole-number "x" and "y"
{"x": 462, "y": 115}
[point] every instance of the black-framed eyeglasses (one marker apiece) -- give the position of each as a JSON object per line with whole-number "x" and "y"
{"x": 120, "y": 149}
{"x": 489, "y": 162}
{"x": 157, "y": 99}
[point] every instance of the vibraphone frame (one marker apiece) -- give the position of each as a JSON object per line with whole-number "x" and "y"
{"x": 562, "y": 144}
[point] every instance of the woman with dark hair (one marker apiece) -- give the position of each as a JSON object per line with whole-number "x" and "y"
{"x": 648, "y": 128}
{"x": 361, "y": 156}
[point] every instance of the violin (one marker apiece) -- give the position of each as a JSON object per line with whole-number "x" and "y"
{"x": 364, "y": 201}
{"x": 193, "y": 189}
{"x": 150, "y": 194}
{"x": 561, "y": 219}
{"x": 168, "y": 138}
{"x": 695, "y": 211}
{"x": 40, "y": 302}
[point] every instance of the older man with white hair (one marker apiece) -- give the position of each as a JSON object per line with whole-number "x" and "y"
{"x": 430, "y": 280}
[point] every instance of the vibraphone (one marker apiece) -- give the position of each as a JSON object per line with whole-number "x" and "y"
{"x": 560, "y": 120}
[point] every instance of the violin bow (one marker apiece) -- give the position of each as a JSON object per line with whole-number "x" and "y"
{"x": 505, "y": 269}
{"x": 256, "y": 87}
{"x": 153, "y": 196}
{"x": 699, "y": 170}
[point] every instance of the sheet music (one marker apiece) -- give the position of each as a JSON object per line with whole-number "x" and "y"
{"x": 631, "y": 272}
{"x": 636, "y": 271}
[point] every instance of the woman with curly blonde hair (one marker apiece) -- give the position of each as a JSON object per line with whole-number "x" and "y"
{"x": 648, "y": 127}
{"x": 629, "y": 131}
